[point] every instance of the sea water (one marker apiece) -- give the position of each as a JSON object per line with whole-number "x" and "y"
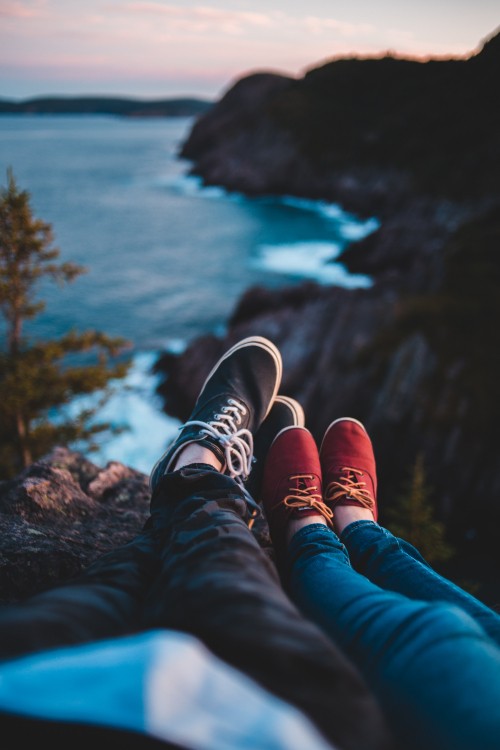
{"x": 166, "y": 259}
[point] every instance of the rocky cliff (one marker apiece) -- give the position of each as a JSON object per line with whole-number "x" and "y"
{"x": 415, "y": 357}
{"x": 367, "y": 133}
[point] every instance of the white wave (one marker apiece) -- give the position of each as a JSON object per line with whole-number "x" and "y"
{"x": 134, "y": 406}
{"x": 175, "y": 346}
{"x": 357, "y": 230}
{"x": 303, "y": 259}
{"x": 309, "y": 260}
{"x": 350, "y": 227}
{"x": 192, "y": 185}
{"x": 330, "y": 210}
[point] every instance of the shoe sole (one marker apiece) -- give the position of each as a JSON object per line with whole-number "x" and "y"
{"x": 296, "y": 409}
{"x": 342, "y": 419}
{"x": 264, "y": 344}
{"x": 257, "y": 341}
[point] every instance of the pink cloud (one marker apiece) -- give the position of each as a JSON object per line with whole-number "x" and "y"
{"x": 317, "y": 25}
{"x": 199, "y": 18}
{"x": 22, "y": 10}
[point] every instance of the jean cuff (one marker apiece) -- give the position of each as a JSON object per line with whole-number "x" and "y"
{"x": 353, "y": 527}
{"x": 177, "y": 485}
{"x": 318, "y": 532}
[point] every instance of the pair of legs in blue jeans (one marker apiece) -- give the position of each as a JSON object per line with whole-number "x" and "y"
{"x": 430, "y": 651}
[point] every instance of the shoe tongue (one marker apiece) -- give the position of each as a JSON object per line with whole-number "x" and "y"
{"x": 301, "y": 483}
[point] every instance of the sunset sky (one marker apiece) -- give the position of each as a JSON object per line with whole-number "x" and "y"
{"x": 175, "y": 48}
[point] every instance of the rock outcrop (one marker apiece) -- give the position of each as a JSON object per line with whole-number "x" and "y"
{"x": 62, "y": 512}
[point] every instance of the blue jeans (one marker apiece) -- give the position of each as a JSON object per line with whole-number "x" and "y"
{"x": 430, "y": 651}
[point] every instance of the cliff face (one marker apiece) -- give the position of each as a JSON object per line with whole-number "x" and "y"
{"x": 416, "y": 356}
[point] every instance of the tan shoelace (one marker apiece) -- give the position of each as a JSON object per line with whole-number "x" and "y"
{"x": 307, "y": 497}
{"x": 350, "y": 487}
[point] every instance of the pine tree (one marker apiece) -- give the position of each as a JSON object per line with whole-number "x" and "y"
{"x": 412, "y": 518}
{"x": 38, "y": 378}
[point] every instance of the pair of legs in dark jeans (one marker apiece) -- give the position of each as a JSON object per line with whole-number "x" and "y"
{"x": 429, "y": 651}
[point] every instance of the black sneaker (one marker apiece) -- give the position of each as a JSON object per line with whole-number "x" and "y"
{"x": 285, "y": 412}
{"x": 233, "y": 402}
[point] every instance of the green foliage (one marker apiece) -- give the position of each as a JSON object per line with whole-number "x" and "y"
{"x": 412, "y": 518}
{"x": 38, "y": 379}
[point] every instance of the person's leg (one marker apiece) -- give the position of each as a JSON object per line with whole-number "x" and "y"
{"x": 217, "y": 583}
{"x": 389, "y": 562}
{"x": 434, "y": 670}
{"x": 392, "y": 564}
{"x": 432, "y": 667}
{"x": 104, "y": 601}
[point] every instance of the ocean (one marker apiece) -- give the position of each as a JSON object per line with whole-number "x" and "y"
{"x": 166, "y": 259}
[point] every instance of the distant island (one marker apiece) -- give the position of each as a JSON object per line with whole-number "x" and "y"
{"x": 105, "y": 105}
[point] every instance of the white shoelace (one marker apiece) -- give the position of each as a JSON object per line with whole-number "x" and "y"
{"x": 237, "y": 442}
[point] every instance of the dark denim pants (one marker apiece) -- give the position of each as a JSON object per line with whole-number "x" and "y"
{"x": 429, "y": 650}
{"x": 197, "y": 568}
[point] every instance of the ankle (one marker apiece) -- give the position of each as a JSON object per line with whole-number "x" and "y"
{"x": 346, "y": 514}
{"x": 295, "y": 524}
{"x": 194, "y": 453}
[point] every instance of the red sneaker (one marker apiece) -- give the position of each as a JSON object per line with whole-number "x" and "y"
{"x": 348, "y": 465}
{"x": 291, "y": 486}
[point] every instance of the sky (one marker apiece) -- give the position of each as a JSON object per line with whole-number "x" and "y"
{"x": 156, "y": 49}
